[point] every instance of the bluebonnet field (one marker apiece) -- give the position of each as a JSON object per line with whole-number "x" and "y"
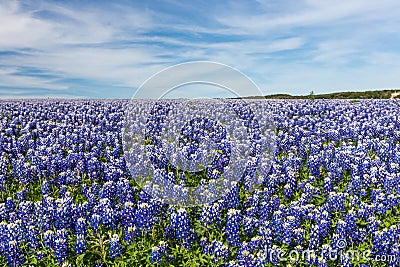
{"x": 67, "y": 197}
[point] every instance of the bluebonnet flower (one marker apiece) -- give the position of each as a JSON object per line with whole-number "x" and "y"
{"x": 339, "y": 236}
{"x": 289, "y": 227}
{"x": 25, "y": 212}
{"x": 15, "y": 231}
{"x": 204, "y": 244}
{"x": 382, "y": 241}
{"x": 3, "y": 236}
{"x": 63, "y": 213}
{"x": 155, "y": 254}
{"x": 48, "y": 239}
{"x": 252, "y": 211}
{"x": 314, "y": 239}
{"x": 81, "y": 211}
{"x": 208, "y": 214}
{"x": 45, "y": 187}
{"x": 232, "y": 227}
{"x": 33, "y": 237}
{"x": 250, "y": 224}
{"x": 60, "y": 246}
{"x": 219, "y": 251}
{"x": 345, "y": 260}
{"x": 108, "y": 190}
{"x": 63, "y": 191}
{"x": 3, "y": 165}
{"x": 211, "y": 213}
{"x": 324, "y": 221}
{"x": 108, "y": 217}
{"x": 66, "y": 264}
{"x": 40, "y": 255}
{"x": 20, "y": 195}
{"x": 266, "y": 234}
{"x": 143, "y": 197}
{"x": 94, "y": 189}
{"x": 115, "y": 246}
{"x": 128, "y": 214}
{"x": 95, "y": 221}
{"x": 15, "y": 257}
{"x": 298, "y": 236}
{"x": 163, "y": 248}
{"x": 351, "y": 226}
{"x": 2, "y": 183}
{"x": 144, "y": 217}
{"x": 81, "y": 226}
{"x": 80, "y": 245}
{"x": 336, "y": 201}
{"x": 265, "y": 210}
{"x": 327, "y": 186}
{"x": 10, "y": 205}
{"x": 129, "y": 233}
{"x": 277, "y": 223}
{"x": 62, "y": 180}
{"x": 85, "y": 190}
{"x": 124, "y": 191}
{"x": 254, "y": 244}
{"x": 245, "y": 259}
{"x": 290, "y": 187}
{"x": 180, "y": 224}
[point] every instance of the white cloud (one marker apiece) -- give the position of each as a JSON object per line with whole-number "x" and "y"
{"x": 21, "y": 28}
{"x": 336, "y": 52}
{"x": 63, "y": 47}
{"x": 8, "y": 78}
{"x": 312, "y": 13}
{"x": 18, "y": 30}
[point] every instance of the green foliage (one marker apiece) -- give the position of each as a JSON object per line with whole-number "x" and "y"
{"x": 378, "y": 94}
{"x": 311, "y": 96}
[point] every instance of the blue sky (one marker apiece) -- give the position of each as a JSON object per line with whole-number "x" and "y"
{"x": 106, "y": 49}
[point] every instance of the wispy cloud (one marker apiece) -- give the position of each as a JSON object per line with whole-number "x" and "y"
{"x": 107, "y": 49}
{"x": 309, "y": 13}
